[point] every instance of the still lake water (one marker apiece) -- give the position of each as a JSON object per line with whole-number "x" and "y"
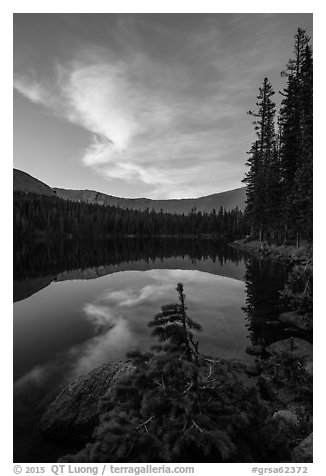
{"x": 79, "y": 305}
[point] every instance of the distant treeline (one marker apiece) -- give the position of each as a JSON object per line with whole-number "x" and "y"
{"x": 36, "y": 258}
{"x": 51, "y": 216}
{"x": 279, "y": 180}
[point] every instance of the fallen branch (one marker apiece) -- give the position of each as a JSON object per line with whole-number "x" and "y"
{"x": 145, "y": 423}
{"x": 195, "y": 424}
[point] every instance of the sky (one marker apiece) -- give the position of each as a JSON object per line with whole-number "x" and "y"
{"x": 143, "y": 105}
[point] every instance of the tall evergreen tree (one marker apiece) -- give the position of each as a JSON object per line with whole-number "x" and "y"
{"x": 296, "y": 123}
{"x": 279, "y": 179}
{"x": 261, "y": 157}
{"x": 174, "y": 325}
{"x": 172, "y": 408}
{"x": 272, "y": 194}
{"x": 304, "y": 174}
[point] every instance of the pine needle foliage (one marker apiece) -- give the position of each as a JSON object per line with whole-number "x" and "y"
{"x": 173, "y": 324}
{"x": 279, "y": 182}
{"x": 177, "y": 405}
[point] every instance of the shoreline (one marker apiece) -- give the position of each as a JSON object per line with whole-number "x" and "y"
{"x": 291, "y": 253}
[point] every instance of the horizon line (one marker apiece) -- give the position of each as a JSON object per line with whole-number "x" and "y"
{"x": 130, "y": 198}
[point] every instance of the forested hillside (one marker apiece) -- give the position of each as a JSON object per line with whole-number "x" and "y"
{"x": 228, "y": 200}
{"x": 52, "y": 216}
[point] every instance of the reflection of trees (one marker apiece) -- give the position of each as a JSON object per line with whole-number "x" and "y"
{"x": 264, "y": 279}
{"x": 34, "y": 259}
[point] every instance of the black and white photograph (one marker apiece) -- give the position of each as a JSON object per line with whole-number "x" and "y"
{"x": 163, "y": 239}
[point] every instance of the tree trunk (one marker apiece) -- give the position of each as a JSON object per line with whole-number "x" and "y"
{"x": 184, "y": 324}
{"x": 298, "y": 240}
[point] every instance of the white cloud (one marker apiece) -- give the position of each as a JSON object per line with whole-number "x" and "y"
{"x": 146, "y": 125}
{"x": 111, "y": 345}
{"x": 100, "y": 99}
{"x": 30, "y": 89}
{"x": 99, "y": 316}
{"x": 132, "y": 297}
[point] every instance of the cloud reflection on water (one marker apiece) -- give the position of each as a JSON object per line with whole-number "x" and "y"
{"x": 119, "y": 313}
{"x": 214, "y": 301}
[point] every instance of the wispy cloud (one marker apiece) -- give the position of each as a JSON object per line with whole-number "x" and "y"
{"x": 110, "y": 345}
{"x": 31, "y": 89}
{"x": 129, "y": 125}
{"x": 134, "y": 296}
{"x": 161, "y": 123}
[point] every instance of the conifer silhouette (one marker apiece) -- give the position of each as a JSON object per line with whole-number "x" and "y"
{"x": 174, "y": 325}
{"x": 177, "y": 405}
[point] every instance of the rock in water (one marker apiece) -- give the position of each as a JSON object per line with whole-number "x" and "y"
{"x": 254, "y": 349}
{"x": 294, "y": 319}
{"x": 74, "y": 413}
{"x": 302, "y": 453}
{"x": 299, "y": 347}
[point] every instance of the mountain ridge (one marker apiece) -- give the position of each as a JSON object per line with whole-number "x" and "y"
{"x": 229, "y": 199}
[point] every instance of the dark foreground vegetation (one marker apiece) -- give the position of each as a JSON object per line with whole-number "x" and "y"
{"x": 178, "y": 405}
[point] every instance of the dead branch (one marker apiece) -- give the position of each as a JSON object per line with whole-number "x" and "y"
{"x": 145, "y": 423}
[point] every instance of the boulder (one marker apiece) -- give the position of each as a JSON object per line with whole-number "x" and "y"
{"x": 74, "y": 413}
{"x": 303, "y": 453}
{"x": 294, "y": 319}
{"x": 255, "y": 349}
{"x": 300, "y": 348}
{"x": 309, "y": 368}
{"x": 285, "y": 418}
{"x": 252, "y": 369}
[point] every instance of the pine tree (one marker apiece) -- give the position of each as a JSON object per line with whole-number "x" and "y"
{"x": 272, "y": 195}
{"x": 55, "y": 217}
{"x": 261, "y": 157}
{"x": 176, "y": 405}
{"x": 304, "y": 174}
{"x": 296, "y": 141}
{"x": 173, "y": 324}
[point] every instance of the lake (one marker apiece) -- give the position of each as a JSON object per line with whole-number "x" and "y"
{"x": 78, "y": 305}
